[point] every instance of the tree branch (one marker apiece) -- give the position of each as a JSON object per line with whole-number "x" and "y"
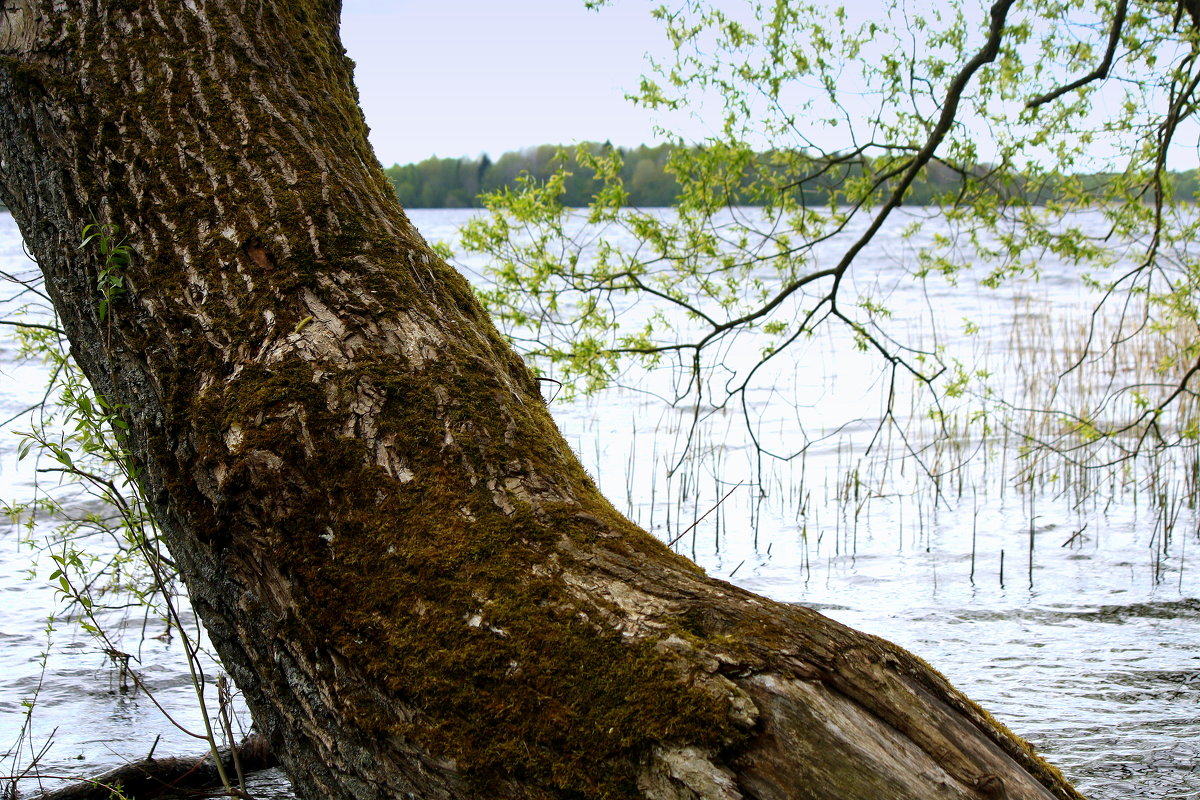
{"x": 1100, "y": 72}
{"x": 15, "y": 324}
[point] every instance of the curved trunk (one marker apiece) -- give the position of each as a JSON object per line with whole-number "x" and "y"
{"x": 400, "y": 561}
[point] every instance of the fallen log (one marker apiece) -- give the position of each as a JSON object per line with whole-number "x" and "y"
{"x": 159, "y": 777}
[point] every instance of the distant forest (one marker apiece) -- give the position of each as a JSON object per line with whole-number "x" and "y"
{"x": 458, "y": 182}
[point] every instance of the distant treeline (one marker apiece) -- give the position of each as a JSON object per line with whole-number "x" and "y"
{"x": 458, "y": 182}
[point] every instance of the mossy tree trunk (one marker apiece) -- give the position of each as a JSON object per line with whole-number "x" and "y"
{"x": 400, "y": 561}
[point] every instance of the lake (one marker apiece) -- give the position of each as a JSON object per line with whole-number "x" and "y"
{"x": 1061, "y": 598}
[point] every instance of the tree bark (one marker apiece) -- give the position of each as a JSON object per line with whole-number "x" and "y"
{"x": 401, "y": 563}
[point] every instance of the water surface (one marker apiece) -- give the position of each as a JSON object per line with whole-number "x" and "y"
{"x": 1072, "y": 617}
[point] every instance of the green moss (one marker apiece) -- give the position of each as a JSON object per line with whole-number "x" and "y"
{"x": 27, "y": 78}
{"x": 532, "y": 692}
{"x": 535, "y": 691}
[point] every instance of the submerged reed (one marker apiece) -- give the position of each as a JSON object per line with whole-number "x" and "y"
{"x": 1058, "y": 430}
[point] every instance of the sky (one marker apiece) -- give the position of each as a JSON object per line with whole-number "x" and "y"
{"x": 454, "y": 78}
{"x": 461, "y": 77}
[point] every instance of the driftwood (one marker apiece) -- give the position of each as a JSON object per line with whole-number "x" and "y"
{"x": 160, "y": 777}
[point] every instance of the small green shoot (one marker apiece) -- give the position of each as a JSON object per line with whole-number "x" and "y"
{"x": 117, "y": 257}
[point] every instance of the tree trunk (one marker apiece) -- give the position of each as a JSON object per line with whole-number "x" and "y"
{"x": 398, "y": 558}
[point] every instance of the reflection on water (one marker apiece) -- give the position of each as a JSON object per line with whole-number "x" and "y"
{"x": 1072, "y": 616}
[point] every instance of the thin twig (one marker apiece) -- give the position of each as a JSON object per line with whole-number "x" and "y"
{"x": 706, "y": 513}
{"x": 51, "y": 328}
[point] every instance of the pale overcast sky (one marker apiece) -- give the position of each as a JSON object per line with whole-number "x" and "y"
{"x": 458, "y": 78}
{"x": 461, "y": 77}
